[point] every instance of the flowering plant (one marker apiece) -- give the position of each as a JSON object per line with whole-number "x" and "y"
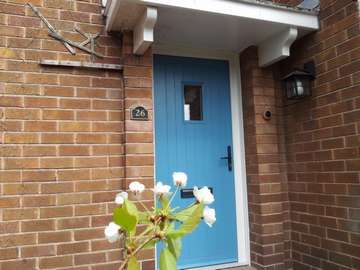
{"x": 162, "y": 223}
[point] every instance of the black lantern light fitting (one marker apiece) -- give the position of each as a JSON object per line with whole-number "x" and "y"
{"x": 298, "y": 83}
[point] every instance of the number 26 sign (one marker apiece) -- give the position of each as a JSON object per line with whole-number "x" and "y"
{"x": 139, "y": 113}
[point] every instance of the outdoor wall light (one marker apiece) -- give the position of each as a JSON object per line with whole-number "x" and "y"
{"x": 297, "y": 84}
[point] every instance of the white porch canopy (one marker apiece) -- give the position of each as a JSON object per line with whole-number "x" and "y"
{"x": 223, "y": 25}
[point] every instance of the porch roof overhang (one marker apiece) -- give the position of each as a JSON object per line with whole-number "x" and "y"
{"x": 222, "y": 25}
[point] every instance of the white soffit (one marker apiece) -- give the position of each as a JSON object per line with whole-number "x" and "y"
{"x": 226, "y": 25}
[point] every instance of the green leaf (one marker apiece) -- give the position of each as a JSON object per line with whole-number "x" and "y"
{"x": 174, "y": 245}
{"x": 144, "y": 218}
{"x": 131, "y": 208}
{"x": 124, "y": 219}
{"x": 185, "y": 213}
{"x": 133, "y": 264}
{"x": 190, "y": 223}
{"x": 151, "y": 244}
{"x": 167, "y": 260}
{"x": 126, "y": 216}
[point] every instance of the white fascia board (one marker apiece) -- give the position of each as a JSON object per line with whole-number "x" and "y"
{"x": 248, "y": 10}
{"x": 106, "y": 5}
{"x": 111, "y": 10}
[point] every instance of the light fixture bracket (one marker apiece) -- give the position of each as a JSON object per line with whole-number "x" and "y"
{"x": 309, "y": 67}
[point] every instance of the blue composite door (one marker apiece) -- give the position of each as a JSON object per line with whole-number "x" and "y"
{"x": 193, "y": 134}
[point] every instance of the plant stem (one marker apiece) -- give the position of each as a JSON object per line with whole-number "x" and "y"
{"x": 144, "y": 234}
{"x": 148, "y": 229}
{"x": 125, "y": 262}
{"x": 172, "y": 198}
{"x": 143, "y": 205}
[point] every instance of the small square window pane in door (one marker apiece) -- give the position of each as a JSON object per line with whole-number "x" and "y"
{"x": 193, "y": 103}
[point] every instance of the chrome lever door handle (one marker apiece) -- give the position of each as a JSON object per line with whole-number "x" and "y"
{"x": 228, "y": 158}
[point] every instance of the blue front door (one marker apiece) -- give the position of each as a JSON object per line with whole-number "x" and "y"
{"x": 193, "y": 134}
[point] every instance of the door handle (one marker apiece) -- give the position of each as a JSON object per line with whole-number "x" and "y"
{"x": 228, "y": 158}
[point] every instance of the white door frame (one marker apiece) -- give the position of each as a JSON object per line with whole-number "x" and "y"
{"x": 243, "y": 237}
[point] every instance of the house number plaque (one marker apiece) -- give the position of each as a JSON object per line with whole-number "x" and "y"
{"x": 139, "y": 113}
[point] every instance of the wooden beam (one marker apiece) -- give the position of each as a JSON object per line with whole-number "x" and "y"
{"x": 80, "y": 64}
{"x": 277, "y": 47}
{"x": 50, "y": 27}
{"x": 74, "y": 44}
{"x": 144, "y": 30}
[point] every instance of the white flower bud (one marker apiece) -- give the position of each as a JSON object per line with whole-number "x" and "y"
{"x": 180, "y": 179}
{"x": 209, "y": 216}
{"x": 136, "y": 187}
{"x": 161, "y": 189}
{"x": 112, "y": 232}
{"x": 203, "y": 195}
{"x": 121, "y": 197}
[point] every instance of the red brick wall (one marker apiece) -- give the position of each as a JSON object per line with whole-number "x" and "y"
{"x": 310, "y": 147}
{"x": 139, "y": 148}
{"x": 309, "y": 161}
{"x": 63, "y": 150}
{"x": 323, "y": 143}
{"x": 266, "y": 177}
